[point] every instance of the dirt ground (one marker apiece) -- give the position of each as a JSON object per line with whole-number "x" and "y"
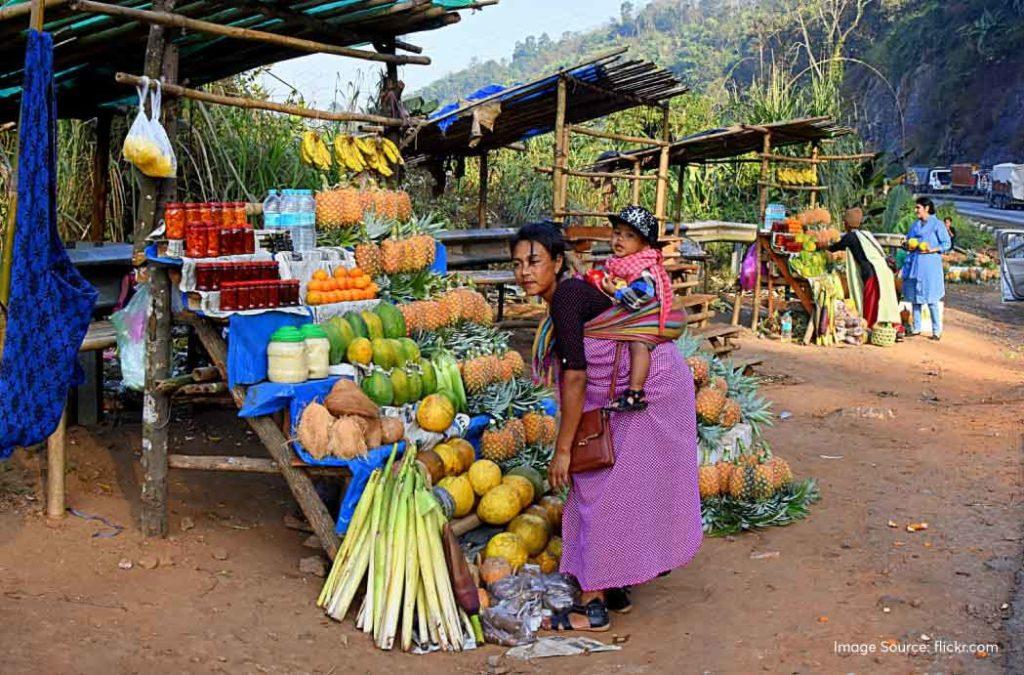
{"x": 226, "y": 594}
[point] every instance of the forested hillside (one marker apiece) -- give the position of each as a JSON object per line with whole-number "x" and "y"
{"x": 956, "y": 67}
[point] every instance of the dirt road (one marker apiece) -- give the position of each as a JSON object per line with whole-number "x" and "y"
{"x": 922, "y": 432}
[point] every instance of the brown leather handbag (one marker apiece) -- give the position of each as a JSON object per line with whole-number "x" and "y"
{"x": 592, "y": 448}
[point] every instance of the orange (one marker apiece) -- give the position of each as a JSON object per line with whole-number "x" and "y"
{"x": 355, "y": 272}
{"x": 314, "y": 297}
{"x": 333, "y": 285}
{"x": 320, "y": 275}
{"x": 339, "y": 272}
{"x": 362, "y": 282}
{"x": 373, "y": 288}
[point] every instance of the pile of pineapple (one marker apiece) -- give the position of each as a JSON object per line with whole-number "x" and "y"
{"x": 753, "y": 478}
{"x": 345, "y": 207}
{"x": 503, "y": 442}
{"x": 452, "y": 307}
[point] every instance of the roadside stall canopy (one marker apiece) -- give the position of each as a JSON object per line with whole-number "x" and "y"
{"x": 496, "y": 116}
{"x": 728, "y": 142}
{"x": 93, "y": 40}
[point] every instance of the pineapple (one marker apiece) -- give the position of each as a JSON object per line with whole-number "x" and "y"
{"x": 701, "y": 370}
{"x": 392, "y": 253}
{"x": 731, "y": 414}
{"x": 452, "y": 304}
{"x": 724, "y": 474}
{"x": 338, "y": 208}
{"x": 719, "y": 384}
{"x": 475, "y": 375}
{"x": 434, "y": 315}
{"x": 385, "y": 204}
{"x": 492, "y": 366}
{"x": 413, "y": 319}
{"x": 497, "y": 445}
{"x": 518, "y": 431}
{"x": 512, "y": 365}
{"x": 741, "y": 482}
{"x": 550, "y": 430}
{"x": 709, "y": 404}
{"x": 368, "y": 258}
{"x": 403, "y": 205}
{"x": 708, "y": 481}
{"x": 533, "y": 424}
{"x": 782, "y": 475}
{"x": 763, "y": 482}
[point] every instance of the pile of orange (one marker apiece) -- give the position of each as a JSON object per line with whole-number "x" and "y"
{"x": 345, "y": 285}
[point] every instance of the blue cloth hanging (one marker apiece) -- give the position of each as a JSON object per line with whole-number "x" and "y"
{"x": 50, "y": 303}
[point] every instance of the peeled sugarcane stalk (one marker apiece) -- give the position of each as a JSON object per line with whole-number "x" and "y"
{"x": 356, "y": 529}
{"x": 426, "y": 629}
{"x": 412, "y": 578}
{"x": 430, "y": 587}
{"x": 396, "y": 575}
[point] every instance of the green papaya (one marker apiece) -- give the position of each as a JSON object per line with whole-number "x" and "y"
{"x": 384, "y": 353}
{"x": 399, "y": 352}
{"x": 340, "y": 335}
{"x": 415, "y": 386}
{"x": 391, "y": 319}
{"x": 358, "y": 325}
{"x": 428, "y": 377}
{"x": 410, "y": 349}
{"x": 379, "y": 388}
{"x": 400, "y": 386}
{"x": 373, "y": 324}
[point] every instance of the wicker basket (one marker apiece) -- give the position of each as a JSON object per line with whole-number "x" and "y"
{"x": 883, "y": 335}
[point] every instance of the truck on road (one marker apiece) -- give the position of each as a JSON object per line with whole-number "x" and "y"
{"x": 925, "y": 179}
{"x": 965, "y": 178}
{"x": 1007, "y": 190}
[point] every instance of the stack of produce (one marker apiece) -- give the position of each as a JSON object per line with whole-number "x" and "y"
{"x": 459, "y": 305}
{"x": 741, "y": 487}
{"x": 344, "y": 285}
{"x": 349, "y": 207}
{"x": 346, "y": 425}
{"x": 809, "y": 263}
{"x": 351, "y": 154}
{"x": 815, "y": 216}
{"x": 395, "y": 548}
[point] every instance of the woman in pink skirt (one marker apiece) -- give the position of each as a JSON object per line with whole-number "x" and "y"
{"x": 640, "y": 518}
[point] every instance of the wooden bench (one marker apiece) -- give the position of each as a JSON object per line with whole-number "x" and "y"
{"x": 697, "y": 307}
{"x": 720, "y": 337}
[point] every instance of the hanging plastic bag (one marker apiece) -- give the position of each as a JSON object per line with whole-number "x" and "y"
{"x": 748, "y": 271}
{"x": 130, "y": 325}
{"x": 147, "y": 145}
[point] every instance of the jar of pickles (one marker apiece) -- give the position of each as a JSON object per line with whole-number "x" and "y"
{"x": 195, "y": 241}
{"x": 318, "y": 350}
{"x": 212, "y": 241}
{"x": 174, "y": 220}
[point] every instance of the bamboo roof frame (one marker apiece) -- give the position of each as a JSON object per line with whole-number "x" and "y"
{"x": 93, "y": 40}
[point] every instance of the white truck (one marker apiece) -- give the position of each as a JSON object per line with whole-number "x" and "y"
{"x": 1007, "y": 191}
{"x": 923, "y": 179}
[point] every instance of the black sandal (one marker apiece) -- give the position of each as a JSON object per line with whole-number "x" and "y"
{"x": 632, "y": 400}
{"x": 617, "y": 600}
{"x": 595, "y": 611}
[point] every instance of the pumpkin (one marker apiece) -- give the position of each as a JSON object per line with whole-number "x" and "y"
{"x": 461, "y": 491}
{"x": 435, "y": 413}
{"x": 499, "y": 505}
{"x": 450, "y": 457}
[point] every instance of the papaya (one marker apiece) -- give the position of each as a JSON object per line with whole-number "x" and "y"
{"x": 391, "y": 319}
{"x": 384, "y": 354}
{"x": 373, "y": 325}
{"x": 339, "y": 334}
{"x": 400, "y": 387}
{"x": 428, "y": 377}
{"x": 398, "y": 351}
{"x": 415, "y": 385}
{"x": 410, "y": 349}
{"x": 379, "y": 388}
{"x": 358, "y": 325}
{"x": 530, "y": 474}
{"x": 360, "y": 351}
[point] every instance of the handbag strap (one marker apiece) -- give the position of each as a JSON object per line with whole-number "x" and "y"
{"x": 615, "y": 371}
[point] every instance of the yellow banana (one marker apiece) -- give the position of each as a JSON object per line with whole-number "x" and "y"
{"x": 364, "y": 145}
{"x": 391, "y": 151}
{"x": 305, "y": 148}
{"x": 321, "y": 155}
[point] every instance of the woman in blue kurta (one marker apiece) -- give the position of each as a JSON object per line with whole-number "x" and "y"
{"x": 923, "y": 282}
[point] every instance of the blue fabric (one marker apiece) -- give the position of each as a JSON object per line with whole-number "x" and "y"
{"x": 248, "y": 335}
{"x": 936, "y": 317}
{"x": 50, "y": 303}
{"x": 923, "y": 278}
{"x": 440, "y": 265}
{"x": 266, "y": 398}
{"x": 480, "y": 93}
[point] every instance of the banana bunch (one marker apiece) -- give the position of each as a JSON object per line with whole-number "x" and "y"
{"x": 805, "y": 176}
{"x": 365, "y": 153}
{"x": 313, "y": 151}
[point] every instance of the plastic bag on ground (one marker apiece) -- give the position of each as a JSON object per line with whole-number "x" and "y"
{"x": 130, "y": 326}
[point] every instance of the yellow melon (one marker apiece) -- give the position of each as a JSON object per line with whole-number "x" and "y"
{"x": 484, "y": 475}
{"x": 435, "y": 413}
{"x": 450, "y": 457}
{"x": 508, "y": 546}
{"x": 523, "y": 487}
{"x": 499, "y": 505}
{"x": 461, "y": 491}
{"x": 533, "y": 530}
{"x": 465, "y": 450}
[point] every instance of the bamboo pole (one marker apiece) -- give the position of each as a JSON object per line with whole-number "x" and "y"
{"x": 29, "y": 8}
{"x": 765, "y": 168}
{"x": 252, "y": 104}
{"x": 481, "y": 209}
{"x": 171, "y": 20}
{"x": 585, "y": 214}
{"x": 595, "y": 174}
{"x": 679, "y": 194}
{"x": 636, "y": 182}
{"x": 56, "y": 461}
{"x": 558, "y": 180}
{"x": 814, "y": 193}
{"x": 608, "y": 135}
{"x": 661, "y": 194}
{"x": 794, "y": 188}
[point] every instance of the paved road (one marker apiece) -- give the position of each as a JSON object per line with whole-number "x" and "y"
{"x": 975, "y": 207}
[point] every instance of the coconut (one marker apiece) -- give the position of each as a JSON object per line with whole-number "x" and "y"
{"x": 393, "y": 429}
{"x": 346, "y": 438}
{"x": 346, "y": 398}
{"x": 314, "y": 430}
{"x": 374, "y": 433}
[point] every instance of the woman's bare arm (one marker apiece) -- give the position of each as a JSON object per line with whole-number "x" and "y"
{"x": 573, "y": 394}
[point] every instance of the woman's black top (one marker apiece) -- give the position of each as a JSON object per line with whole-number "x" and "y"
{"x": 575, "y": 302}
{"x": 851, "y": 242}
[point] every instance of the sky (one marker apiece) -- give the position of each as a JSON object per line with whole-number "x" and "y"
{"x": 490, "y": 33}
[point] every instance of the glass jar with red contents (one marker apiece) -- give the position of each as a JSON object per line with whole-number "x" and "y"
{"x": 273, "y": 293}
{"x": 217, "y": 214}
{"x": 174, "y": 220}
{"x": 205, "y": 213}
{"x": 244, "y": 296}
{"x": 204, "y": 276}
{"x": 192, "y": 215}
{"x": 294, "y": 289}
{"x": 234, "y": 214}
{"x": 228, "y": 297}
{"x": 212, "y": 241}
{"x": 258, "y": 291}
{"x": 195, "y": 241}
{"x": 227, "y": 242}
{"x": 248, "y": 240}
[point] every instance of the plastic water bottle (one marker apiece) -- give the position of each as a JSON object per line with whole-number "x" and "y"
{"x": 304, "y": 230}
{"x": 787, "y": 327}
{"x": 272, "y": 210}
